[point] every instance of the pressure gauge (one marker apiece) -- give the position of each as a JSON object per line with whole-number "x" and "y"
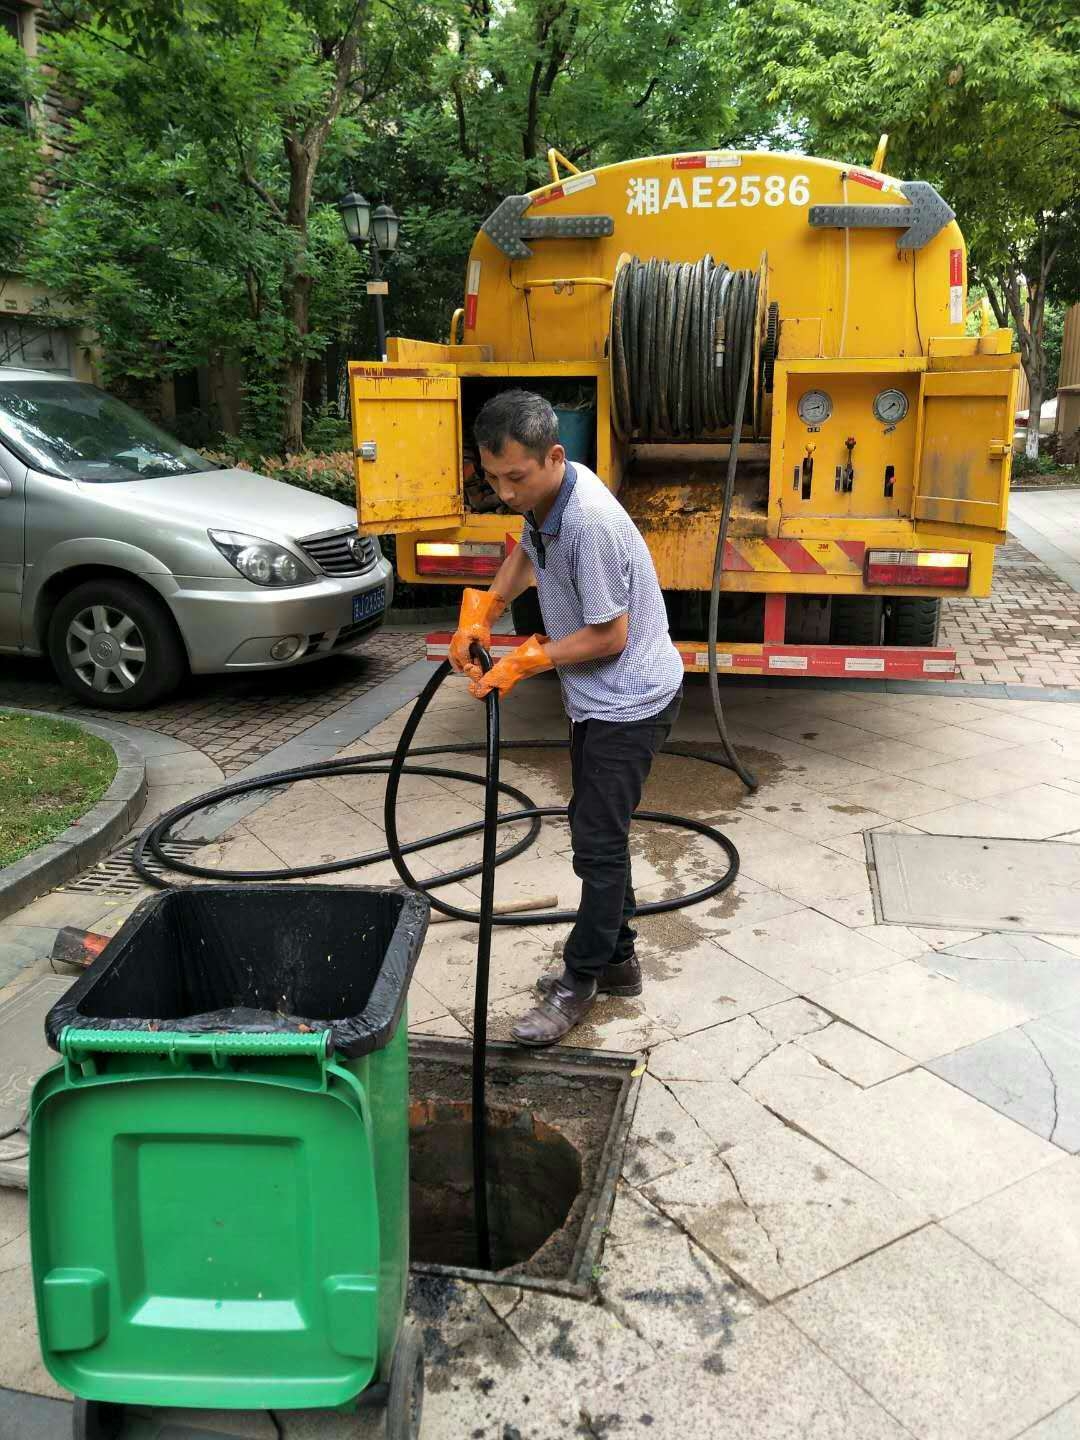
{"x": 891, "y": 406}
{"x": 815, "y": 407}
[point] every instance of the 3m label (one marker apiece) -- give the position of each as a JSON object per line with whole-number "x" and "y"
{"x": 789, "y": 662}
{"x": 939, "y": 667}
{"x": 578, "y": 182}
{"x": 864, "y": 663}
{"x": 956, "y": 304}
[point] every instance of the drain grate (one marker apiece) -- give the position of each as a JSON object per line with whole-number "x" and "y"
{"x": 117, "y": 876}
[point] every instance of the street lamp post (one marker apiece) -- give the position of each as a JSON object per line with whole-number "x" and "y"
{"x": 378, "y": 233}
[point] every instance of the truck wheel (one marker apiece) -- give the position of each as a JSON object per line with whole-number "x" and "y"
{"x": 95, "y": 1420}
{"x": 405, "y": 1401}
{"x": 856, "y": 620}
{"x": 525, "y": 611}
{"x": 913, "y": 621}
{"x": 114, "y": 645}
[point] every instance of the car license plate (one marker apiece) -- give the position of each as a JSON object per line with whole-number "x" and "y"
{"x": 372, "y": 602}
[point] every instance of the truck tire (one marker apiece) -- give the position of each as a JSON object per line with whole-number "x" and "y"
{"x": 856, "y": 620}
{"x": 89, "y": 632}
{"x": 94, "y": 1420}
{"x": 913, "y": 620}
{"x": 525, "y": 611}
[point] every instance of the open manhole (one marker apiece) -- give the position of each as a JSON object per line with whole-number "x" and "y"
{"x": 557, "y": 1128}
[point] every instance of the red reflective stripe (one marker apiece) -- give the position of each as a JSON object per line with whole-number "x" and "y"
{"x": 853, "y": 549}
{"x": 556, "y": 194}
{"x": 688, "y": 162}
{"x": 956, "y": 267}
{"x": 470, "y": 312}
{"x": 796, "y": 557}
{"x": 871, "y": 180}
{"x": 733, "y": 560}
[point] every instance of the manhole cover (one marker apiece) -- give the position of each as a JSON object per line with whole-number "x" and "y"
{"x": 117, "y": 876}
{"x": 968, "y": 883}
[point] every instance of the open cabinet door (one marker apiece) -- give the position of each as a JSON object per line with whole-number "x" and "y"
{"x": 965, "y": 448}
{"x": 406, "y": 424}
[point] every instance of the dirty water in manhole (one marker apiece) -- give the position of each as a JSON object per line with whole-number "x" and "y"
{"x": 557, "y": 1127}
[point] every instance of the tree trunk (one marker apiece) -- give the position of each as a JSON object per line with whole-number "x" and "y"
{"x": 303, "y": 151}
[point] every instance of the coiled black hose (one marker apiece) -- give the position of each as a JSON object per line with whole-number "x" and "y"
{"x": 682, "y": 348}
{"x": 678, "y": 334}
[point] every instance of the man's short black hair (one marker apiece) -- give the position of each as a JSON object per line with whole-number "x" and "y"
{"x": 519, "y": 415}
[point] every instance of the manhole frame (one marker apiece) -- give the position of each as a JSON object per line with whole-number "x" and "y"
{"x": 581, "y": 1063}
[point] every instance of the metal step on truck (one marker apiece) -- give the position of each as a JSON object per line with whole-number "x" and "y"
{"x": 768, "y": 351}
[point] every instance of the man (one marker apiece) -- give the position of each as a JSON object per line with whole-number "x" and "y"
{"x": 607, "y": 636}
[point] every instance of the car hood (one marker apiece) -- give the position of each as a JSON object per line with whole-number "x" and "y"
{"x": 229, "y": 500}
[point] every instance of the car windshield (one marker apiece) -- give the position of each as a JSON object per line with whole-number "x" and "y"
{"x": 81, "y": 433}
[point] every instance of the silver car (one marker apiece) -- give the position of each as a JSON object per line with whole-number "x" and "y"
{"x": 130, "y": 560}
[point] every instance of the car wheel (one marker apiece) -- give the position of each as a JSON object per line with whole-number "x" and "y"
{"x": 114, "y": 645}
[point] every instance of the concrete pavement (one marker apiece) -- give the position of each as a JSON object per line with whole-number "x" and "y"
{"x": 850, "y": 1205}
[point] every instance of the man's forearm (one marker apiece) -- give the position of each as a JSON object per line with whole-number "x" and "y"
{"x": 514, "y": 576}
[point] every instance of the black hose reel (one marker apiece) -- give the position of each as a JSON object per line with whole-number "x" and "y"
{"x": 679, "y": 332}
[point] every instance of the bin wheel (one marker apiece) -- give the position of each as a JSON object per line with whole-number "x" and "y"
{"x": 406, "y": 1398}
{"x": 96, "y": 1420}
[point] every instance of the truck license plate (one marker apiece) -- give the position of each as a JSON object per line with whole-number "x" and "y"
{"x": 372, "y": 602}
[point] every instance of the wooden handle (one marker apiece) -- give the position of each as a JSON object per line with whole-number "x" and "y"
{"x": 506, "y": 907}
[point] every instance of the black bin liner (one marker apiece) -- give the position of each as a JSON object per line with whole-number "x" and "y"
{"x": 248, "y": 958}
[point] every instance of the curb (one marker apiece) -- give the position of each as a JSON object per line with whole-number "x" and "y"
{"x": 93, "y": 835}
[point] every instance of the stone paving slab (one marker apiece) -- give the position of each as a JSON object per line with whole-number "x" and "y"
{"x": 1031, "y": 1231}
{"x": 780, "y": 1211}
{"x": 1024, "y": 970}
{"x": 768, "y": 1383}
{"x": 1031, "y": 1074}
{"x": 929, "y": 1143}
{"x": 990, "y": 1358}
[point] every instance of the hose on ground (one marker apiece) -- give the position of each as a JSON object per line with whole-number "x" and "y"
{"x": 395, "y": 765}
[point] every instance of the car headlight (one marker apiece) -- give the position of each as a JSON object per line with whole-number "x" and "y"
{"x": 261, "y": 561}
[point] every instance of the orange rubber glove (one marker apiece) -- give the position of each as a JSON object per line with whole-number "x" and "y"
{"x": 528, "y": 659}
{"x": 479, "y": 610}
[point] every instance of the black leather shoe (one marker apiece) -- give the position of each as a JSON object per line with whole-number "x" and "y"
{"x": 555, "y": 1016}
{"x": 623, "y": 978}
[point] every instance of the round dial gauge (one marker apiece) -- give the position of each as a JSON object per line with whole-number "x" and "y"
{"x": 815, "y": 407}
{"x": 891, "y": 406}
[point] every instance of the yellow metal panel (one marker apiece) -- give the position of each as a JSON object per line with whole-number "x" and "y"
{"x": 851, "y": 388}
{"x": 412, "y": 417}
{"x": 965, "y": 448}
{"x": 872, "y": 299}
{"x": 402, "y": 351}
{"x": 800, "y": 339}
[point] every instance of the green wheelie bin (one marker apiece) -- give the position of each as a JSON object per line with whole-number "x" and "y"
{"x": 219, "y": 1162}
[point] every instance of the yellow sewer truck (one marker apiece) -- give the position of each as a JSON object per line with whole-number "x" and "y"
{"x": 873, "y": 451}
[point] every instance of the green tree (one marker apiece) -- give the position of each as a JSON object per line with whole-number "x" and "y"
{"x": 192, "y": 222}
{"x": 597, "y": 80}
{"x": 981, "y": 97}
{"x": 18, "y": 152}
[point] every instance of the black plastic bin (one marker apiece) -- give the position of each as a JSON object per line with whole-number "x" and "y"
{"x": 250, "y": 958}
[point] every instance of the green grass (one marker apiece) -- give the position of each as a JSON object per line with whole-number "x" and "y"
{"x": 51, "y": 772}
